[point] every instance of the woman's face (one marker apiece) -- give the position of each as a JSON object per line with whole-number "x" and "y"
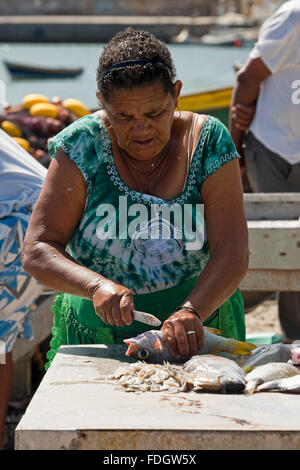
{"x": 142, "y": 118}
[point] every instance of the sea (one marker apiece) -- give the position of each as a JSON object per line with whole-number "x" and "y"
{"x": 199, "y": 67}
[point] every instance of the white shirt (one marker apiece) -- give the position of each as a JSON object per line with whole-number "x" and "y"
{"x": 277, "y": 119}
{"x": 21, "y": 176}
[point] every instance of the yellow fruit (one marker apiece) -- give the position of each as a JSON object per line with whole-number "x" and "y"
{"x": 44, "y": 109}
{"x": 34, "y": 98}
{"x": 76, "y": 107}
{"x": 24, "y": 143}
{"x": 10, "y": 128}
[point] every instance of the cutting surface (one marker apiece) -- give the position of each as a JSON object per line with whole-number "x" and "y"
{"x": 74, "y": 408}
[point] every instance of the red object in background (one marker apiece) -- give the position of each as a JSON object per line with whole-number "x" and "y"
{"x": 295, "y": 356}
{"x": 39, "y": 153}
{"x": 237, "y": 42}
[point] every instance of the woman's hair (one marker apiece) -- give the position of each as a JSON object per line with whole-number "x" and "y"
{"x": 134, "y": 45}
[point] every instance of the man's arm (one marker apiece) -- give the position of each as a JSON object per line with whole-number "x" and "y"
{"x": 246, "y": 92}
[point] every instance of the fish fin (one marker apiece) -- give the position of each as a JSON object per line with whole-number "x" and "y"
{"x": 215, "y": 331}
{"x": 240, "y": 348}
{"x": 131, "y": 348}
{"x": 249, "y": 390}
{"x": 248, "y": 368}
{"x": 157, "y": 344}
{"x": 216, "y": 351}
{"x": 253, "y": 361}
{"x": 272, "y": 385}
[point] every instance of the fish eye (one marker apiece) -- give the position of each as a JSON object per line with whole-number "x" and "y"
{"x": 143, "y": 354}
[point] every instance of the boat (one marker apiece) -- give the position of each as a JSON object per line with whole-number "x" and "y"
{"x": 227, "y": 38}
{"x": 28, "y": 71}
{"x": 221, "y": 37}
{"x": 215, "y": 102}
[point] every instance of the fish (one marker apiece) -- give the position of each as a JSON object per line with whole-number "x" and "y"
{"x": 267, "y": 353}
{"x": 295, "y": 355}
{"x": 205, "y": 373}
{"x": 151, "y": 347}
{"x": 268, "y": 372}
{"x": 216, "y": 374}
{"x": 288, "y": 384}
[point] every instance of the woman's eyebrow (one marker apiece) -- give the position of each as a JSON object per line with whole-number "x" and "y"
{"x": 123, "y": 113}
{"x": 151, "y": 111}
{"x": 156, "y": 110}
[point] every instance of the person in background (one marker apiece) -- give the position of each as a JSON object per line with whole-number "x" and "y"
{"x": 21, "y": 179}
{"x": 270, "y": 82}
{"x": 140, "y": 150}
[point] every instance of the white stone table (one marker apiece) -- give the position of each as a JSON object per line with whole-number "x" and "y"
{"x": 73, "y": 409}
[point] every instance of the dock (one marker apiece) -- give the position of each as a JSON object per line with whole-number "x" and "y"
{"x": 96, "y": 28}
{"x": 274, "y": 241}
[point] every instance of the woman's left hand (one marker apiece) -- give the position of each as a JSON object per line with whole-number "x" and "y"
{"x": 183, "y": 333}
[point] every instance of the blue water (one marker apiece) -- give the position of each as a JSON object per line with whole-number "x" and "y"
{"x": 199, "y": 67}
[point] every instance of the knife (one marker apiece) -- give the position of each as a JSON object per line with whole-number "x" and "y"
{"x": 145, "y": 318}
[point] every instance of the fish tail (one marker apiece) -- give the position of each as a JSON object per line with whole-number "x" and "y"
{"x": 250, "y": 388}
{"x": 239, "y": 348}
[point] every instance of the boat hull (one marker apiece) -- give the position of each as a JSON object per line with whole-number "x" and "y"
{"x": 213, "y": 102}
{"x": 23, "y": 71}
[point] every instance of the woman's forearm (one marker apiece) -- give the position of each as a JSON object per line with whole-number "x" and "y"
{"x": 220, "y": 278}
{"x": 53, "y": 267}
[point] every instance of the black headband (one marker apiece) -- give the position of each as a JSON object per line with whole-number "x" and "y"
{"x": 128, "y": 63}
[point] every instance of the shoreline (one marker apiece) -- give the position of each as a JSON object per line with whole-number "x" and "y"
{"x": 96, "y": 28}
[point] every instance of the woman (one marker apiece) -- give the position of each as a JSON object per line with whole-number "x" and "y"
{"x": 135, "y": 154}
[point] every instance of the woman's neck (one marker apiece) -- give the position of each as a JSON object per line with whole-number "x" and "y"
{"x": 145, "y": 165}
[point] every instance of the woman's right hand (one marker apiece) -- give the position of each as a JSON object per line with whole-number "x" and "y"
{"x": 113, "y": 303}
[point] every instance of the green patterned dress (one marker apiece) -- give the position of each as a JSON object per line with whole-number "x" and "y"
{"x": 112, "y": 241}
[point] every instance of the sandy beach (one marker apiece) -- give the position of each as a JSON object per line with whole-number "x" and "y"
{"x": 263, "y": 318}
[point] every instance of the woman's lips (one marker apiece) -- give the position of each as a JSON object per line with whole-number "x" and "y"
{"x": 143, "y": 143}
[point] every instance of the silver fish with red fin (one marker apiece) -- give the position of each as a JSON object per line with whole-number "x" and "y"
{"x": 151, "y": 347}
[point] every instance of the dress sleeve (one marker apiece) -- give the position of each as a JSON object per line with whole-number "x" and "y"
{"x": 77, "y": 140}
{"x": 218, "y": 148}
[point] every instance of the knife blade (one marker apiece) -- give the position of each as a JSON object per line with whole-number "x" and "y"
{"x": 144, "y": 317}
